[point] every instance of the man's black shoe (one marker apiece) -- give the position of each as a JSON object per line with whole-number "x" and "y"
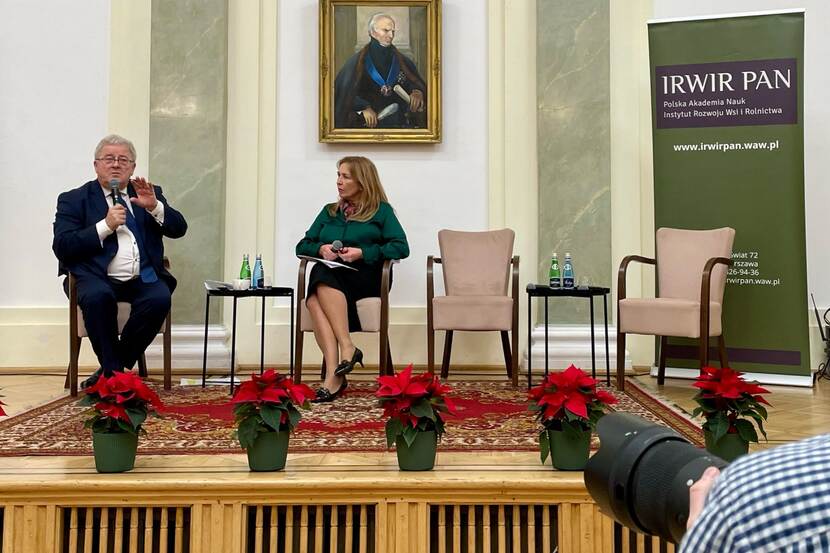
{"x": 89, "y": 382}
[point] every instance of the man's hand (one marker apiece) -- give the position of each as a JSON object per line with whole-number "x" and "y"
{"x": 146, "y": 196}
{"x": 351, "y": 255}
{"x": 698, "y": 493}
{"x": 326, "y": 252}
{"x": 416, "y": 101}
{"x": 371, "y": 118}
{"x": 116, "y": 216}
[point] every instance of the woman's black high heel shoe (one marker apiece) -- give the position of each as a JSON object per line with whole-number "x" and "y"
{"x": 325, "y": 396}
{"x": 345, "y": 367}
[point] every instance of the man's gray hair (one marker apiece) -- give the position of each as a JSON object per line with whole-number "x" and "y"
{"x": 377, "y": 16}
{"x": 116, "y": 140}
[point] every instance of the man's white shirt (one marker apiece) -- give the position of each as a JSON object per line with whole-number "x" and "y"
{"x": 126, "y": 265}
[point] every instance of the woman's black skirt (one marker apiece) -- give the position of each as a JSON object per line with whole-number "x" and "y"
{"x": 355, "y": 285}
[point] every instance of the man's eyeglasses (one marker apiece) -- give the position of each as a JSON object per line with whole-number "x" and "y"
{"x": 110, "y": 160}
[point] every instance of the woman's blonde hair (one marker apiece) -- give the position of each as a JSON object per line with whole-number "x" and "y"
{"x": 365, "y": 174}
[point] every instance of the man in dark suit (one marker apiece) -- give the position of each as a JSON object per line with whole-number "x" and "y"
{"x": 108, "y": 234}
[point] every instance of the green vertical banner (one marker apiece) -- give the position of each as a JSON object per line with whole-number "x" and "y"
{"x": 728, "y": 139}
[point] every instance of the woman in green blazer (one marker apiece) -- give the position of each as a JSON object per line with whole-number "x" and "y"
{"x": 360, "y": 230}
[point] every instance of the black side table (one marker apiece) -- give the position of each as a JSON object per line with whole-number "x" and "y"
{"x": 545, "y": 291}
{"x": 276, "y": 291}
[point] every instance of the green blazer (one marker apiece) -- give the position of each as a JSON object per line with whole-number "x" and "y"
{"x": 381, "y": 237}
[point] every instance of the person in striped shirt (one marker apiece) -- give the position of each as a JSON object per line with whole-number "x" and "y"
{"x": 773, "y": 500}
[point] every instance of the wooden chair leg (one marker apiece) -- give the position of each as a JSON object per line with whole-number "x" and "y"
{"x": 142, "y": 365}
{"x": 445, "y": 363}
{"x": 431, "y": 350}
{"x": 298, "y": 354}
{"x": 704, "y": 351}
{"x": 383, "y": 353}
{"x": 724, "y": 362}
{"x": 508, "y": 361}
{"x": 661, "y": 365}
{"x": 72, "y": 370}
{"x": 515, "y": 355}
{"x": 390, "y": 369}
{"x": 323, "y": 370}
{"x": 620, "y": 360}
{"x": 167, "y": 340}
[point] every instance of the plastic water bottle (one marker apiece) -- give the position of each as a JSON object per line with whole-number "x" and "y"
{"x": 568, "y": 280}
{"x": 258, "y": 277}
{"x": 245, "y": 271}
{"x": 555, "y": 276}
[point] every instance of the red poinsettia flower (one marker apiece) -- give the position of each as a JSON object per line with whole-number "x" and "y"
{"x": 120, "y": 403}
{"x": 569, "y": 396}
{"x": 112, "y": 410}
{"x": 401, "y": 384}
{"x": 268, "y": 403}
{"x": 730, "y": 404}
{"x": 413, "y": 403}
{"x": 2, "y": 413}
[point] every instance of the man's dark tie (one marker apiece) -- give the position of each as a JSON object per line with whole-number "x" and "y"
{"x": 148, "y": 274}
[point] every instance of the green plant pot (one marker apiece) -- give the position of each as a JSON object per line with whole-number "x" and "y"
{"x": 728, "y": 448}
{"x": 269, "y": 451}
{"x": 114, "y": 451}
{"x": 569, "y": 450}
{"x": 420, "y": 455}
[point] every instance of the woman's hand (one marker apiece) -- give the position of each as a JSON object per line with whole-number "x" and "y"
{"x": 327, "y": 253}
{"x": 350, "y": 255}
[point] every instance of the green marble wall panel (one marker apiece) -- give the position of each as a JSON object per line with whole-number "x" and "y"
{"x": 188, "y": 106}
{"x": 573, "y": 122}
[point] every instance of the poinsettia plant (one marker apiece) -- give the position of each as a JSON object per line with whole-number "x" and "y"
{"x": 2, "y": 413}
{"x": 120, "y": 403}
{"x": 268, "y": 403}
{"x": 413, "y": 403}
{"x": 568, "y": 401}
{"x": 730, "y": 404}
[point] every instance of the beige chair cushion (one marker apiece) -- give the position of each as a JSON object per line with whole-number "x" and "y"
{"x": 368, "y": 311}
{"x": 476, "y": 263}
{"x": 681, "y": 256}
{"x": 472, "y": 312}
{"x": 124, "y": 309}
{"x": 666, "y": 317}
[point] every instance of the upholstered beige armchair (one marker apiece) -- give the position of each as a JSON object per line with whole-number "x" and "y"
{"x": 372, "y": 312}
{"x": 691, "y": 277}
{"x": 476, "y": 267}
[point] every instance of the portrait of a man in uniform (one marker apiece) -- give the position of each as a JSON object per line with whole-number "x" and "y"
{"x": 380, "y": 78}
{"x": 379, "y": 86}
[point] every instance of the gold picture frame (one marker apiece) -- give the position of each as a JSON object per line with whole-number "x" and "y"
{"x": 380, "y": 71}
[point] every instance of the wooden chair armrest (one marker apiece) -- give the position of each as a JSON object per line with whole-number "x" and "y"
{"x": 706, "y": 277}
{"x": 515, "y": 292}
{"x": 301, "y": 281}
{"x": 431, "y": 260}
{"x": 624, "y": 268}
{"x": 385, "y": 284}
{"x": 73, "y": 306}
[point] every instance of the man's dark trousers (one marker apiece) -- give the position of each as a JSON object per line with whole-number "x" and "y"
{"x": 98, "y": 301}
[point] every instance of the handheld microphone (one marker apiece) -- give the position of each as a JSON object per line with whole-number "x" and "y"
{"x": 336, "y": 246}
{"x": 116, "y": 194}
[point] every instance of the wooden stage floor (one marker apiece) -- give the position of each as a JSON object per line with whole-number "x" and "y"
{"x": 324, "y": 501}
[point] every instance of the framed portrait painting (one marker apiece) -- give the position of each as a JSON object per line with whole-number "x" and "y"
{"x": 380, "y": 71}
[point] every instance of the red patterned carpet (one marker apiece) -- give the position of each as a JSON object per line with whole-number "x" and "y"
{"x": 492, "y": 416}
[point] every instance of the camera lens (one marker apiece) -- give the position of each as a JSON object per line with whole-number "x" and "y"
{"x": 642, "y": 472}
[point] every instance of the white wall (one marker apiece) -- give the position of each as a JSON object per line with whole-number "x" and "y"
{"x": 430, "y": 186}
{"x": 816, "y": 118}
{"x": 54, "y": 82}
